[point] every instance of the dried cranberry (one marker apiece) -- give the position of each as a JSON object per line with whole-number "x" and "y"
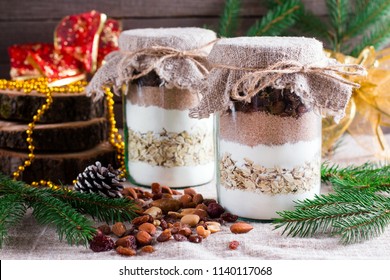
{"x": 101, "y": 243}
{"x": 195, "y": 238}
{"x": 215, "y": 210}
{"x": 179, "y": 237}
{"x": 229, "y": 217}
{"x": 233, "y": 245}
{"x": 207, "y": 201}
{"x": 163, "y": 224}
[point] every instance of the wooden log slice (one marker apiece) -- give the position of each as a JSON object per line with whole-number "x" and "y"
{"x": 58, "y": 137}
{"x": 66, "y": 107}
{"x": 59, "y": 168}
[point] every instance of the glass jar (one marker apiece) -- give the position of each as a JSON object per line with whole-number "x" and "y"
{"x": 270, "y": 94}
{"x": 165, "y": 68}
{"x": 269, "y": 154}
{"x": 163, "y": 144}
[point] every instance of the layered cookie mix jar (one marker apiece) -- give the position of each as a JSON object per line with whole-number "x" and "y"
{"x": 270, "y": 93}
{"x": 162, "y": 70}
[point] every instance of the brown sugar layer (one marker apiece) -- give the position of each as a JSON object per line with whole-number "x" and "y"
{"x": 255, "y": 128}
{"x": 169, "y": 99}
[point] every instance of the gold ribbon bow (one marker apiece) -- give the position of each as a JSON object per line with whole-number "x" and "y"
{"x": 369, "y": 108}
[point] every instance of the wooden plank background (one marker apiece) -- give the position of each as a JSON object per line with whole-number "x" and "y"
{"x": 28, "y": 21}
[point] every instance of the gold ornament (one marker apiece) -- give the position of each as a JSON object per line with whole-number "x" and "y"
{"x": 369, "y": 108}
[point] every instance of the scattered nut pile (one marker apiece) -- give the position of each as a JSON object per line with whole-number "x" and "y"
{"x": 164, "y": 215}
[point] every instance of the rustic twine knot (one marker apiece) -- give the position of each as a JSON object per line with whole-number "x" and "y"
{"x": 255, "y": 80}
{"x": 162, "y": 53}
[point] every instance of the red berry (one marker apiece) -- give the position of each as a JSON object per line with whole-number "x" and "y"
{"x": 101, "y": 243}
{"x": 233, "y": 245}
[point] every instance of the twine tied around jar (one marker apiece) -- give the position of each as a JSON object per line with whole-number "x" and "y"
{"x": 163, "y": 53}
{"x": 184, "y": 69}
{"x": 257, "y": 80}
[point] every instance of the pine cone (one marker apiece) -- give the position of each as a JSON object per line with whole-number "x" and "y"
{"x": 100, "y": 180}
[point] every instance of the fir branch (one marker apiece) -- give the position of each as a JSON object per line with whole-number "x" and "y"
{"x": 369, "y": 176}
{"x": 356, "y": 216}
{"x": 98, "y": 207}
{"x": 378, "y": 37}
{"x": 229, "y": 18}
{"x": 64, "y": 209}
{"x": 364, "y": 227}
{"x": 12, "y": 210}
{"x": 338, "y": 15}
{"x": 277, "y": 20}
{"x": 367, "y": 15}
{"x": 70, "y": 224}
{"x": 310, "y": 24}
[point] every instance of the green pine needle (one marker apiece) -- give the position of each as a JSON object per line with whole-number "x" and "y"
{"x": 367, "y": 14}
{"x": 98, "y": 207}
{"x": 338, "y": 12}
{"x": 229, "y": 19}
{"x": 12, "y": 210}
{"x": 379, "y": 37}
{"x": 70, "y": 224}
{"x": 364, "y": 227}
{"x": 369, "y": 176}
{"x": 60, "y": 208}
{"x": 310, "y": 24}
{"x": 356, "y": 211}
{"x": 277, "y": 20}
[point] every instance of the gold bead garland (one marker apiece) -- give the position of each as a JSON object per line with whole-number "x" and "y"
{"x": 40, "y": 85}
{"x": 115, "y": 138}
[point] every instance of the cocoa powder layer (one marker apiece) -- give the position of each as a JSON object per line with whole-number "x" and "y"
{"x": 170, "y": 99}
{"x": 255, "y": 128}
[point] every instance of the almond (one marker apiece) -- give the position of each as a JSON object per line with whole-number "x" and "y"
{"x": 143, "y": 238}
{"x": 190, "y": 191}
{"x": 119, "y": 229}
{"x": 147, "y": 249}
{"x": 185, "y": 198}
{"x": 240, "y": 227}
{"x": 140, "y": 220}
{"x": 125, "y": 251}
{"x": 198, "y": 198}
{"x": 127, "y": 241}
{"x": 164, "y": 236}
{"x": 148, "y": 227}
{"x": 156, "y": 188}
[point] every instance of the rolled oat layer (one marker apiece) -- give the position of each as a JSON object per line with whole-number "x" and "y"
{"x": 169, "y": 99}
{"x": 255, "y": 128}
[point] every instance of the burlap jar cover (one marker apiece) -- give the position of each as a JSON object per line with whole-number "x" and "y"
{"x": 162, "y": 70}
{"x": 244, "y": 66}
{"x": 271, "y": 92}
{"x": 177, "y": 55}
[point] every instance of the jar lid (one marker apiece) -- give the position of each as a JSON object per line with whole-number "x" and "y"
{"x": 180, "y": 38}
{"x": 260, "y": 52}
{"x": 176, "y": 55}
{"x": 243, "y": 67}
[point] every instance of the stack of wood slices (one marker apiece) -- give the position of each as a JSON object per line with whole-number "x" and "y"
{"x": 69, "y": 136}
